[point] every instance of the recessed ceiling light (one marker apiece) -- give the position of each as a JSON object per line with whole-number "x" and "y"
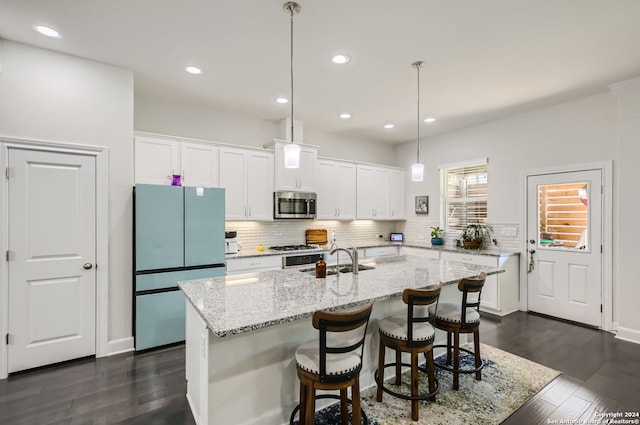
{"x": 48, "y": 31}
{"x": 340, "y": 59}
{"x": 193, "y": 70}
{"x": 429, "y": 120}
{"x": 389, "y": 126}
{"x": 345, "y": 116}
{"x": 282, "y": 100}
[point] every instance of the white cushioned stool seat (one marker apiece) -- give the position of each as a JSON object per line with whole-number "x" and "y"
{"x": 396, "y": 327}
{"x": 453, "y": 313}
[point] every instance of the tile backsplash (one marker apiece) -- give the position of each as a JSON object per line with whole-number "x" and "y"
{"x": 287, "y": 232}
{"x": 417, "y": 232}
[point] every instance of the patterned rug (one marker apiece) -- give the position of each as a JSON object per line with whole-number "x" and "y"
{"x": 508, "y": 381}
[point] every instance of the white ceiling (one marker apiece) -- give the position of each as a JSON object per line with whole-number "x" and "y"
{"x": 483, "y": 59}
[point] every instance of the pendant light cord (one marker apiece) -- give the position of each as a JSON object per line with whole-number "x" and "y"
{"x": 417, "y": 65}
{"x": 293, "y": 9}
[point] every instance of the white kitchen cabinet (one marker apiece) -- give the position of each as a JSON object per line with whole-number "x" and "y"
{"x": 253, "y": 264}
{"x": 199, "y": 165}
{"x": 157, "y": 159}
{"x": 247, "y": 177}
{"x": 396, "y": 195}
{"x": 372, "y": 192}
{"x": 432, "y": 254}
{"x": 336, "y": 190}
{"x": 300, "y": 179}
{"x": 500, "y": 291}
{"x": 381, "y": 251}
{"x": 380, "y": 193}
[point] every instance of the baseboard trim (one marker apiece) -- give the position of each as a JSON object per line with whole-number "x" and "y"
{"x": 628, "y": 334}
{"x": 118, "y": 346}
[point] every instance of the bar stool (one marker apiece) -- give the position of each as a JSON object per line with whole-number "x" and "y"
{"x": 332, "y": 362}
{"x": 410, "y": 333}
{"x": 456, "y": 319}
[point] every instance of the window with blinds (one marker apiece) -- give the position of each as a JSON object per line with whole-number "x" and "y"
{"x": 464, "y": 194}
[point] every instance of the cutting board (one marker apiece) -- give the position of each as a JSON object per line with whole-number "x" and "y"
{"x": 316, "y": 236}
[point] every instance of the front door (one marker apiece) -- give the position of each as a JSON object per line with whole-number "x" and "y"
{"x": 564, "y": 245}
{"x": 52, "y": 251}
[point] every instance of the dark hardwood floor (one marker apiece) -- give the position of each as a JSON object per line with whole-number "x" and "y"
{"x": 600, "y": 374}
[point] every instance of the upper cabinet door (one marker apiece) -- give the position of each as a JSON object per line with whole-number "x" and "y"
{"x": 373, "y": 192}
{"x": 336, "y": 189}
{"x": 159, "y": 218}
{"x": 260, "y": 186}
{"x": 396, "y": 195}
{"x": 233, "y": 178}
{"x": 156, "y": 160}
{"x": 203, "y": 226}
{"x": 199, "y": 165}
{"x": 300, "y": 179}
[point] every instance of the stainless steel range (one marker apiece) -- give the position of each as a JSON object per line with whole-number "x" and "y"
{"x": 298, "y": 259}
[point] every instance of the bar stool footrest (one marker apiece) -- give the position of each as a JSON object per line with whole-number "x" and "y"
{"x": 451, "y": 369}
{"x": 404, "y": 396}
{"x": 321, "y": 396}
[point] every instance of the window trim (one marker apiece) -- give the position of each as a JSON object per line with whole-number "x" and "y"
{"x": 443, "y": 168}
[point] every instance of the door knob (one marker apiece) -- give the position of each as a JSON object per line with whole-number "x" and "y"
{"x": 532, "y": 241}
{"x": 87, "y": 266}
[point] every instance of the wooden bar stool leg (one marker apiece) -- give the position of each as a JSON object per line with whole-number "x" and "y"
{"x": 344, "y": 413}
{"x": 380, "y": 371}
{"x": 431, "y": 374}
{"x": 456, "y": 360}
{"x": 398, "y": 367}
{"x": 476, "y": 346}
{"x": 414, "y": 385}
{"x": 303, "y": 404}
{"x": 355, "y": 401}
{"x": 310, "y": 417}
{"x": 449, "y": 348}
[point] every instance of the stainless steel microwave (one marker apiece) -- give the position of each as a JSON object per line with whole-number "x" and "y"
{"x": 294, "y": 205}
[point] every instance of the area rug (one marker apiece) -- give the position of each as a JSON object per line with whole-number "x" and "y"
{"x": 508, "y": 381}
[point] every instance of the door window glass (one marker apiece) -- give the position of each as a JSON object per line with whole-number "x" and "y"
{"x": 563, "y": 216}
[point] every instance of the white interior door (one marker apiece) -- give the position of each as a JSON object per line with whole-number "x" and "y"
{"x": 564, "y": 245}
{"x": 52, "y": 251}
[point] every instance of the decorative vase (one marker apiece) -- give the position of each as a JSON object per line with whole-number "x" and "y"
{"x": 436, "y": 241}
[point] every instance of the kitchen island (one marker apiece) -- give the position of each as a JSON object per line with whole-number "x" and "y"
{"x": 243, "y": 330}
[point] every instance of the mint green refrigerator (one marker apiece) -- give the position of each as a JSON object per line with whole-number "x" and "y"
{"x": 178, "y": 235}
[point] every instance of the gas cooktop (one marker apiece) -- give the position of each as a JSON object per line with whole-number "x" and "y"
{"x": 292, "y": 247}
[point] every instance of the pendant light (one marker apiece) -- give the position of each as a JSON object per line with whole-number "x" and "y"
{"x": 291, "y": 149}
{"x": 417, "y": 169}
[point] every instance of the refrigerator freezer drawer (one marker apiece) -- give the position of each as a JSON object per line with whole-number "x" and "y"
{"x": 153, "y": 281}
{"x": 160, "y": 319}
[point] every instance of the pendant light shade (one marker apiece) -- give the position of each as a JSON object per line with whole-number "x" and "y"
{"x": 292, "y": 150}
{"x": 291, "y": 155}
{"x": 417, "y": 169}
{"x": 417, "y": 172}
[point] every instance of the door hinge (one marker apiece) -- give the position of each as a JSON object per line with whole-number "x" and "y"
{"x": 600, "y": 308}
{"x": 6, "y": 339}
{"x": 600, "y": 249}
{"x": 9, "y": 255}
{"x": 7, "y": 172}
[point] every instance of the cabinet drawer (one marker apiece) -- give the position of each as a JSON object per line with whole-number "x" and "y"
{"x": 381, "y": 251}
{"x": 480, "y": 260}
{"x": 239, "y": 265}
{"x": 421, "y": 252}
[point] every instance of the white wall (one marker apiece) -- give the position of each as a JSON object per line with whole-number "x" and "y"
{"x": 626, "y": 210}
{"x": 583, "y": 131}
{"x": 54, "y": 97}
{"x": 173, "y": 119}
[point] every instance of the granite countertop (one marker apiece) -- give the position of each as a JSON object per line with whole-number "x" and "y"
{"x": 242, "y": 303}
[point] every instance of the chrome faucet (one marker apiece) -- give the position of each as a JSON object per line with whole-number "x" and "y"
{"x": 353, "y": 254}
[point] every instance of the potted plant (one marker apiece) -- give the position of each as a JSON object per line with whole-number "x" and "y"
{"x": 473, "y": 235}
{"x": 436, "y": 236}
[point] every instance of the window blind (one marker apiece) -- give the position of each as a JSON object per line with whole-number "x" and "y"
{"x": 465, "y": 195}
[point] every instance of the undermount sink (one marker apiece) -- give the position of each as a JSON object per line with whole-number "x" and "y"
{"x": 331, "y": 270}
